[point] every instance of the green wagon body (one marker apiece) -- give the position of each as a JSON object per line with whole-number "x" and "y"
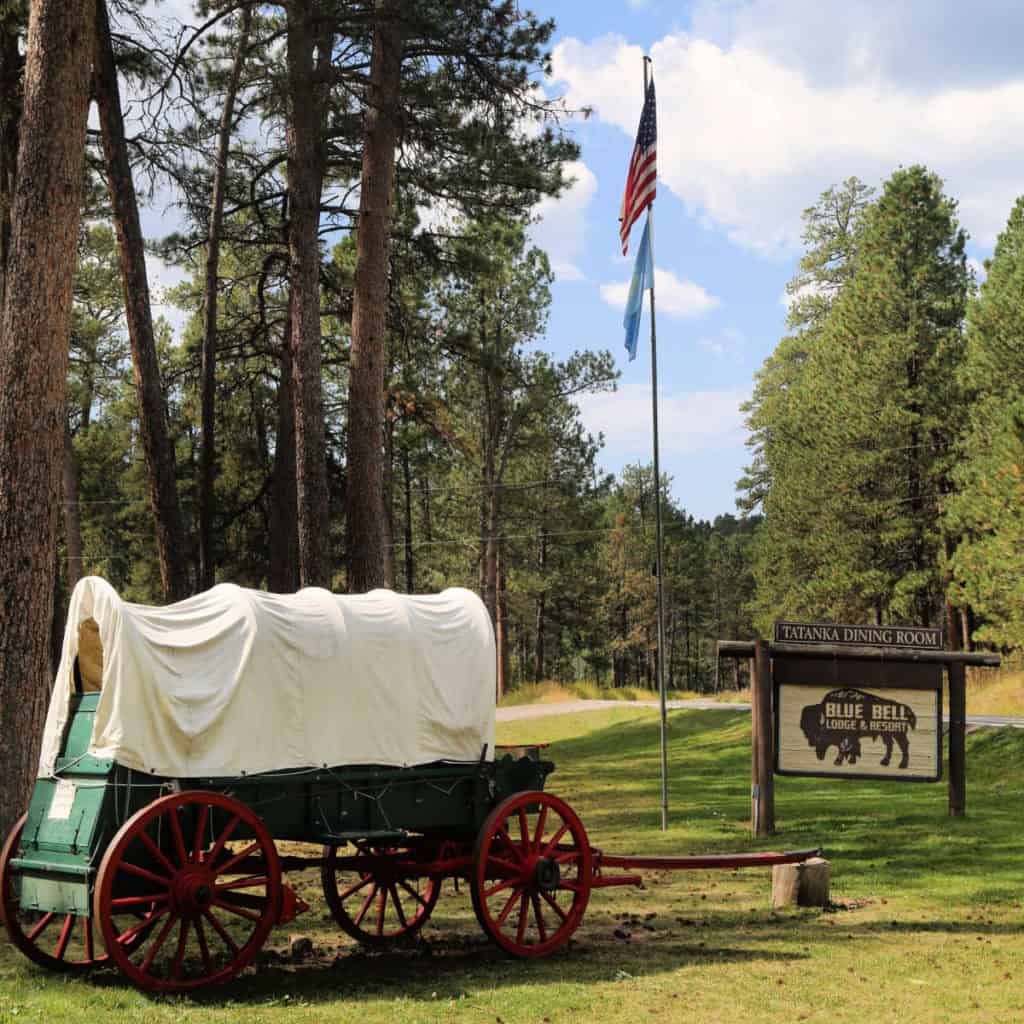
{"x": 73, "y": 816}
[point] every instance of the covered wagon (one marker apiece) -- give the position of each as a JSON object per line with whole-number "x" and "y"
{"x": 182, "y": 742}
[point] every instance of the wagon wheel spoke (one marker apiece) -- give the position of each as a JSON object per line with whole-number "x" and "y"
{"x": 223, "y": 838}
{"x": 139, "y": 901}
{"x": 504, "y": 865}
{"x": 156, "y": 852}
{"x": 539, "y": 832}
{"x": 65, "y": 937}
{"x": 510, "y": 843}
{"x": 147, "y": 963}
{"x": 355, "y": 887}
{"x": 366, "y": 905}
{"x": 204, "y": 948}
{"x": 381, "y": 910}
{"x": 179, "y": 953}
{"x": 507, "y": 909}
{"x": 234, "y": 908}
{"x": 197, "y": 843}
{"x": 524, "y": 829}
{"x": 243, "y": 883}
{"x": 221, "y": 931}
{"x": 41, "y": 925}
{"x": 129, "y": 936}
{"x": 413, "y": 893}
{"x": 553, "y": 842}
{"x": 134, "y": 869}
{"x": 397, "y": 903}
{"x": 553, "y": 903}
{"x": 501, "y": 886}
{"x": 225, "y": 868}
{"x": 521, "y": 928}
{"x": 179, "y": 839}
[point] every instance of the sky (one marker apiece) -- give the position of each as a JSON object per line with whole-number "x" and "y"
{"x": 762, "y": 105}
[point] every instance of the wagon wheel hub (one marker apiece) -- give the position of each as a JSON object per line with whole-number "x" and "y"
{"x": 192, "y": 893}
{"x": 547, "y": 874}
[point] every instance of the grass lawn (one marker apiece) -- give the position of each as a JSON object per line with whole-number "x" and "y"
{"x": 928, "y": 927}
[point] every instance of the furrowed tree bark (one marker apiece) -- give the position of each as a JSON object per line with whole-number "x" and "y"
{"x": 208, "y": 449}
{"x": 153, "y": 425}
{"x": 307, "y": 48}
{"x": 34, "y": 338}
{"x": 365, "y": 513}
{"x": 11, "y": 65}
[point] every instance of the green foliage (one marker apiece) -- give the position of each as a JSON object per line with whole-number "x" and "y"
{"x": 854, "y": 420}
{"x": 987, "y": 512}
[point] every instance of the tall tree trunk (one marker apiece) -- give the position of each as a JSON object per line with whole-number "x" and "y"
{"x": 284, "y": 536}
{"x": 309, "y": 48}
{"x": 501, "y": 633}
{"x": 72, "y": 514}
{"x": 365, "y": 514}
{"x": 388, "y": 547}
{"x": 208, "y": 451}
{"x": 542, "y": 564}
{"x": 410, "y": 565}
{"x": 966, "y": 629}
{"x": 156, "y": 441}
{"x": 11, "y": 68}
{"x": 34, "y": 332}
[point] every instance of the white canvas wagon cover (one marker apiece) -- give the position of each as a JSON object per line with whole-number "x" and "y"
{"x": 236, "y": 680}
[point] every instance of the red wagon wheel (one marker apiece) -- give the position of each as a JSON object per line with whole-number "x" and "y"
{"x": 206, "y": 908}
{"x": 376, "y": 895}
{"x": 531, "y": 874}
{"x": 56, "y": 941}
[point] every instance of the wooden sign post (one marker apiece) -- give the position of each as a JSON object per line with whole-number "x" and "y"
{"x": 845, "y": 701}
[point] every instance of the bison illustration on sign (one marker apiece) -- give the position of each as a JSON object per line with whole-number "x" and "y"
{"x": 844, "y": 717}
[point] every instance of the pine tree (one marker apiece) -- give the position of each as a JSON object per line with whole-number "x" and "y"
{"x": 987, "y": 511}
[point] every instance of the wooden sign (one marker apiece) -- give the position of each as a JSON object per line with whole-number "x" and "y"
{"x": 889, "y": 732}
{"x": 915, "y": 637}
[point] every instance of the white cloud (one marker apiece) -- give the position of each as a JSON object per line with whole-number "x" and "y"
{"x": 727, "y": 343}
{"x": 978, "y": 267}
{"x": 688, "y": 421}
{"x": 676, "y": 297}
{"x": 561, "y": 226}
{"x": 754, "y": 138}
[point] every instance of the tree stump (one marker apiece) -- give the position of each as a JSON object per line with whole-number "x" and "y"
{"x": 806, "y": 884}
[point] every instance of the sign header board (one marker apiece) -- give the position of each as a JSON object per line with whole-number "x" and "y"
{"x": 921, "y": 638}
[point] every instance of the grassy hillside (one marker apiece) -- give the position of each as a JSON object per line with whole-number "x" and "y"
{"x": 927, "y": 927}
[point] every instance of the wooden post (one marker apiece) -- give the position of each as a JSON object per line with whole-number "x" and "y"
{"x": 957, "y": 739}
{"x": 762, "y": 792}
{"x": 755, "y": 754}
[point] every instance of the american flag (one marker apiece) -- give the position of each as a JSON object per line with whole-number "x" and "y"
{"x": 643, "y": 170}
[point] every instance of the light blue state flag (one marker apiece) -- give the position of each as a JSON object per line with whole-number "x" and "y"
{"x": 643, "y": 278}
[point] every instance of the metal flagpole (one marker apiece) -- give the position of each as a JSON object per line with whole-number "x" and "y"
{"x": 659, "y": 564}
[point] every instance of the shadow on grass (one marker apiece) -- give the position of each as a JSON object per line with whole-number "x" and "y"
{"x": 424, "y": 974}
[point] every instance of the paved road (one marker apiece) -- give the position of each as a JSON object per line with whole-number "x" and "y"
{"x": 569, "y": 707}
